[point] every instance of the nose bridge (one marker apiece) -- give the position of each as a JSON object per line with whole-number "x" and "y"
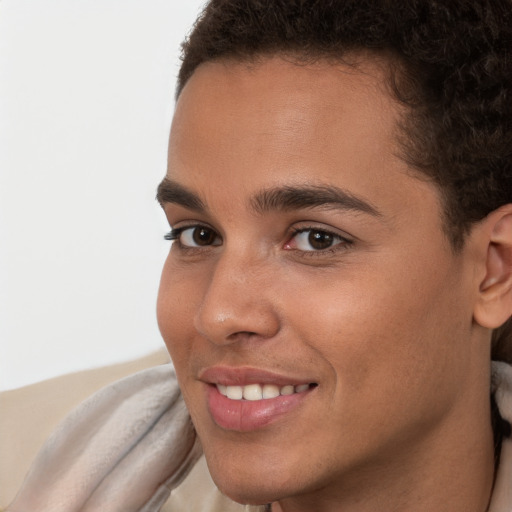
{"x": 237, "y": 300}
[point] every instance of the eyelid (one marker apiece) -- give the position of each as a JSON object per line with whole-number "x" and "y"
{"x": 324, "y": 229}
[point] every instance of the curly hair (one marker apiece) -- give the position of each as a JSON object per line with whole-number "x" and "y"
{"x": 450, "y": 64}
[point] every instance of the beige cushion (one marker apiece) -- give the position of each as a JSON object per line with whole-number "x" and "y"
{"x": 29, "y": 414}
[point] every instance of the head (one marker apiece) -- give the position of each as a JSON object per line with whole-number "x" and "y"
{"x": 376, "y": 135}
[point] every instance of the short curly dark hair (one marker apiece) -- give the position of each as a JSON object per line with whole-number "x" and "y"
{"x": 450, "y": 64}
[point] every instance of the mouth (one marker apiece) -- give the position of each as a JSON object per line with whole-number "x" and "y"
{"x": 245, "y": 399}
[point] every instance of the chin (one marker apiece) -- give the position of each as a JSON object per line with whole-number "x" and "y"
{"x": 254, "y": 493}
{"x": 248, "y": 481}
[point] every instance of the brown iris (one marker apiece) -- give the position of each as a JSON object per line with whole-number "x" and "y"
{"x": 320, "y": 239}
{"x": 203, "y": 236}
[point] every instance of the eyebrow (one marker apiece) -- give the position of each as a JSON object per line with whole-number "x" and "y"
{"x": 286, "y": 198}
{"x": 310, "y": 196}
{"x": 170, "y": 191}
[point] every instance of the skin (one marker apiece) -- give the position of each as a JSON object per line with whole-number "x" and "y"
{"x": 382, "y": 321}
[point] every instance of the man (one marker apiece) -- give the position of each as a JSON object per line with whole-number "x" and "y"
{"x": 339, "y": 188}
{"x": 340, "y": 275}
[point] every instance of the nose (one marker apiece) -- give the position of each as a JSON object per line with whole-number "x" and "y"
{"x": 238, "y": 303}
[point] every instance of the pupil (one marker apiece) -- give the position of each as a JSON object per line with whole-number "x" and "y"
{"x": 203, "y": 236}
{"x": 320, "y": 239}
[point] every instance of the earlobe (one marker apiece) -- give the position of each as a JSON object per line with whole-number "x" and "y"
{"x": 494, "y": 305}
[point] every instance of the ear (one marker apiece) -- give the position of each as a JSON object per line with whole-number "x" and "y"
{"x": 494, "y": 305}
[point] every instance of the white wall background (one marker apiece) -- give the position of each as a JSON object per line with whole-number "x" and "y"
{"x": 86, "y": 99}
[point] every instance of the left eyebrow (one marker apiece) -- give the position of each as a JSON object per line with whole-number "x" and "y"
{"x": 311, "y": 196}
{"x": 170, "y": 191}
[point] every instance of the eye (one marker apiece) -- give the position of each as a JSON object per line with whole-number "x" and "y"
{"x": 194, "y": 236}
{"x": 314, "y": 239}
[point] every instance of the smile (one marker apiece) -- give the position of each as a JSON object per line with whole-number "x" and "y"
{"x": 254, "y": 406}
{"x": 254, "y": 392}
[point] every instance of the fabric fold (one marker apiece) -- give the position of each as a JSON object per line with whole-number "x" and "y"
{"x": 501, "y": 500}
{"x": 123, "y": 449}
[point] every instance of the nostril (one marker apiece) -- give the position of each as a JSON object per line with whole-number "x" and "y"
{"x": 242, "y": 336}
{"x": 244, "y": 333}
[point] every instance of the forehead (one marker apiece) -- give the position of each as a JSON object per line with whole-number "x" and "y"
{"x": 276, "y": 122}
{"x": 230, "y": 100}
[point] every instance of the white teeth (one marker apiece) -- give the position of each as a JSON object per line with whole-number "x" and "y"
{"x": 287, "y": 390}
{"x": 234, "y": 392}
{"x": 255, "y": 392}
{"x": 270, "y": 391}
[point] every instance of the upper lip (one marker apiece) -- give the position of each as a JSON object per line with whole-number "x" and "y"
{"x": 242, "y": 376}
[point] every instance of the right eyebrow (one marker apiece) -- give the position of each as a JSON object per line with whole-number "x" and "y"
{"x": 170, "y": 191}
{"x": 287, "y": 198}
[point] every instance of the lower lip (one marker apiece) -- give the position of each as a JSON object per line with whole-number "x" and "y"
{"x": 247, "y": 415}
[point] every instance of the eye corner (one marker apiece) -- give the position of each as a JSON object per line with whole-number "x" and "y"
{"x": 171, "y": 235}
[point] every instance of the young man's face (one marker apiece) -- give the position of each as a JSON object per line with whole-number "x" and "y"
{"x": 310, "y": 260}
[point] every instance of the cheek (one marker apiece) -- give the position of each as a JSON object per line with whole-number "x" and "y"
{"x": 177, "y": 298}
{"x": 385, "y": 336}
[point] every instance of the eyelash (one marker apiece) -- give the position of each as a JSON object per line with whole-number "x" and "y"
{"x": 343, "y": 243}
{"x": 175, "y": 233}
